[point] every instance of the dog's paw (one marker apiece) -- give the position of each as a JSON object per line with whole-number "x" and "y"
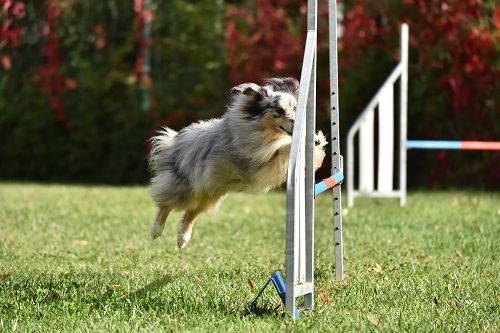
{"x": 319, "y": 156}
{"x": 156, "y": 230}
{"x": 320, "y": 140}
{"x": 183, "y": 238}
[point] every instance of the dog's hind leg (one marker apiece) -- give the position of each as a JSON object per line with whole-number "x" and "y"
{"x": 187, "y": 222}
{"x": 186, "y": 228}
{"x": 159, "y": 222}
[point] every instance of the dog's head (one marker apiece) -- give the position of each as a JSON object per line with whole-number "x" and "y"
{"x": 272, "y": 105}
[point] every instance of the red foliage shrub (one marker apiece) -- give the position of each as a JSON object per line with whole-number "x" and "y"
{"x": 455, "y": 73}
{"x": 143, "y": 15}
{"x": 264, "y": 40}
{"x": 49, "y": 77}
{"x": 11, "y": 12}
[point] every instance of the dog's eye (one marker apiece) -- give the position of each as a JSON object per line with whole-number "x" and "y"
{"x": 294, "y": 109}
{"x": 280, "y": 110}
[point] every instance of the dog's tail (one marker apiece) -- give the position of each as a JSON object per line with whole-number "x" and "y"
{"x": 159, "y": 143}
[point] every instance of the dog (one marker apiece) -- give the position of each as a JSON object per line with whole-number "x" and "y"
{"x": 247, "y": 149}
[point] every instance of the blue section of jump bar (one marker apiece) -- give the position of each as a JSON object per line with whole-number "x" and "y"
{"x": 319, "y": 188}
{"x": 279, "y": 284}
{"x": 429, "y": 144}
{"x": 323, "y": 185}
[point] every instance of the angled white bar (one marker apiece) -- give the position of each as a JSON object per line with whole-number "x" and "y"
{"x": 309, "y": 167}
{"x": 296, "y": 185}
{"x": 393, "y": 77}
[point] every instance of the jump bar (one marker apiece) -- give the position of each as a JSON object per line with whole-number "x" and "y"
{"x": 460, "y": 145}
{"x": 328, "y": 183}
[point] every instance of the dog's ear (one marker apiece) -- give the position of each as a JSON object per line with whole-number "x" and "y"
{"x": 285, "y": 84}
{"x": 249, "y": 89}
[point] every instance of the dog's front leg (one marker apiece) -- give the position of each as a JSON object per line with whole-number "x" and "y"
{"x": 319, "y": 149}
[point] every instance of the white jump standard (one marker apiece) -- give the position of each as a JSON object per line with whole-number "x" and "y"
{"x": 301, "y": 189}
{"x": 383, "y": 102}
{"x": 276, "y": 278}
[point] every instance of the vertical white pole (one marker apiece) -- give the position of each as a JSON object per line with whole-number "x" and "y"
{"x": 300, "y": 221}
{"x": 403, "y": 116}
{"x": 334, "y": 111}
{"x": 350, "y": 169}
{"x": 300, "y": 184}
{"x": 386, "y": 139}
{"x": 366, "y": 153}
{"x": 309, "y": 168}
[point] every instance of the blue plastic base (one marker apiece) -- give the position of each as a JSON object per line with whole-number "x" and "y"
{"x": 280, "y": 287}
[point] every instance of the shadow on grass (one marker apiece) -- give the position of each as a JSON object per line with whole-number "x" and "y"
{"x": 262, "y": 312}
{"x": 102, "y": 292}
{"x": 152, "y": 287}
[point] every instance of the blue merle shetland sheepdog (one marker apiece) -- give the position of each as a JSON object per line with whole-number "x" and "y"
{"x": 247, "y": 149}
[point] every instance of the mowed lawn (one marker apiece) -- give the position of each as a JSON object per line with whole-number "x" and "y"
{"x": 79, "y": 258}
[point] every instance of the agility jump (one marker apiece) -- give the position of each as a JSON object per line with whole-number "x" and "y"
{"x": 301, "y": 190}
{"x": 364, "y": 127}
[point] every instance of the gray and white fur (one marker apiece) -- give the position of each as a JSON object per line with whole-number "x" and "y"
{"x": 247, "y": 149}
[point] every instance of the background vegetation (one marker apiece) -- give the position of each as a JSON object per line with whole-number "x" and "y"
{"x": 83, "y": 85}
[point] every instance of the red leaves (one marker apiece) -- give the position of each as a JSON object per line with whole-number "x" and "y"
{"x": 5, "y": 60}
{"x": 10, "y": 12}
{"x": 98, "y": 37}
{"x": 451, "y": 40}
{"x": 48, "y": 76}
{"x": 452, "y": 62}
{"x": 260, "y": 41}
{"x": 360, "y": 31}
{"x": 143, "y": 16}
{"x": 472, "y": 61}
{"x": 496, "y": 18}
{"x": 12, "y": 8}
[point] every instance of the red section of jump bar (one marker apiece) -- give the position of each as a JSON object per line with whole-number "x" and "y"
{"x": 480, "y": 145}
{"x": 330, "y": 182}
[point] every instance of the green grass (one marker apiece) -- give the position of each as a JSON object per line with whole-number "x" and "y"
{"x": 75, "y": 258}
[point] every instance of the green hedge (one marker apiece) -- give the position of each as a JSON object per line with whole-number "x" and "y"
{"x": 105, "y": 137}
